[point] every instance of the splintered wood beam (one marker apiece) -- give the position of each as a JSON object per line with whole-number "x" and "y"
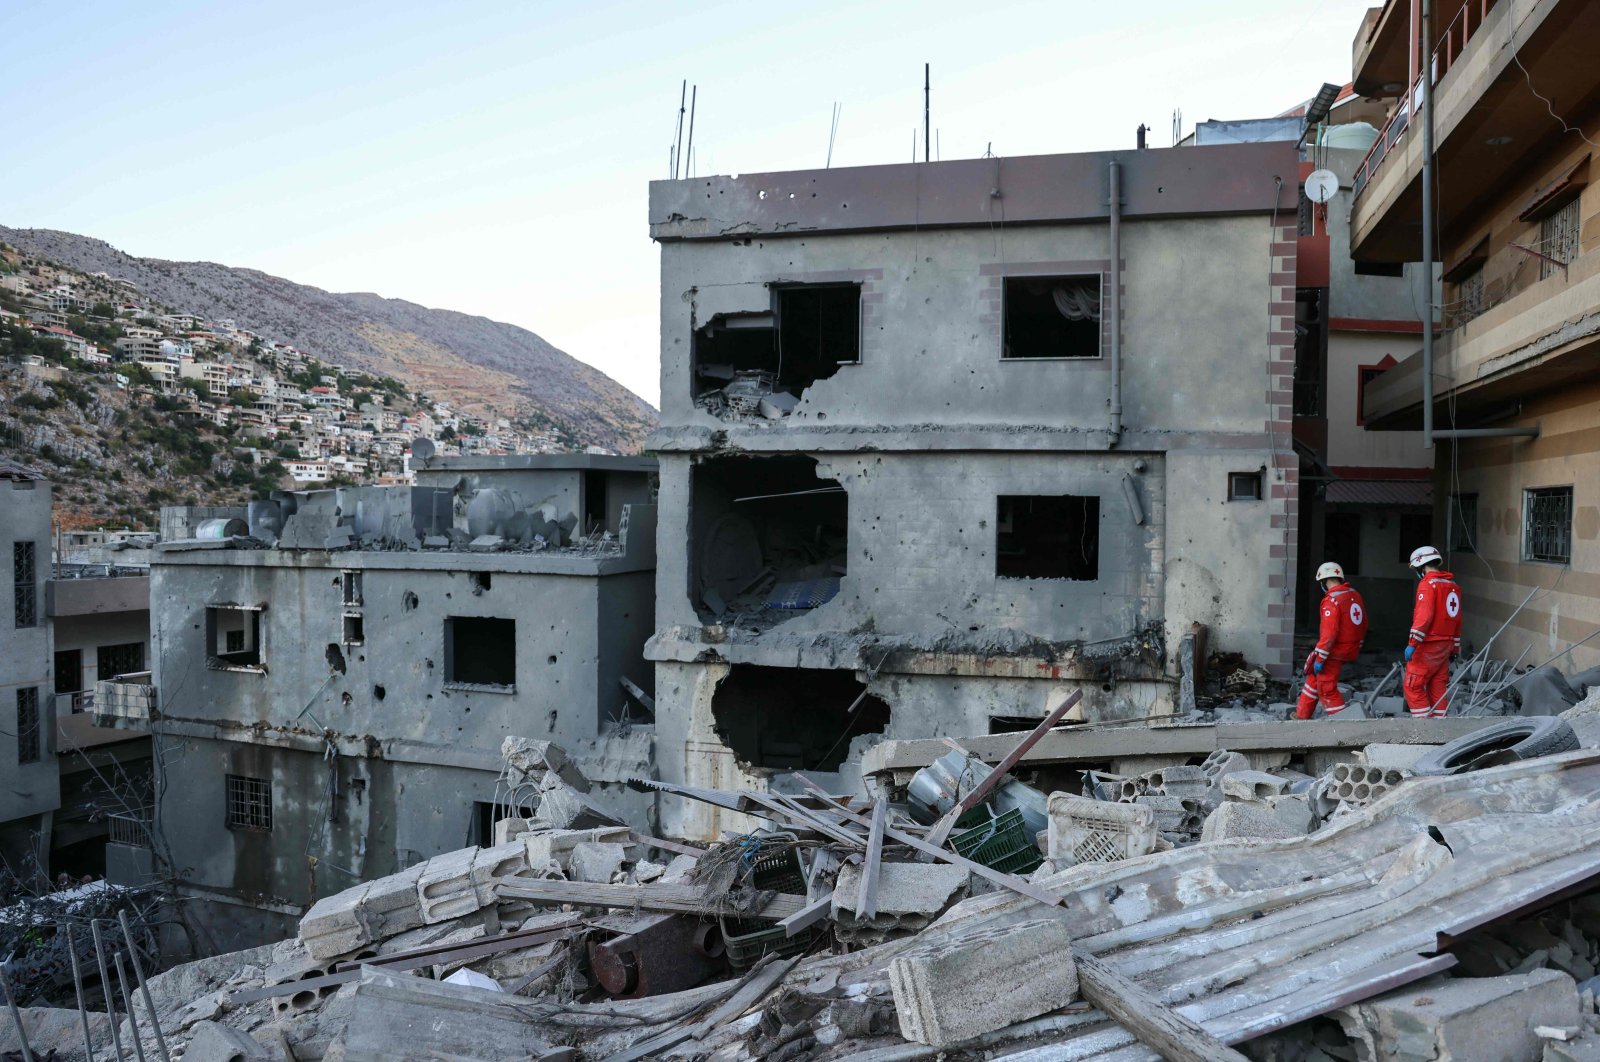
{"x": 1159, "y": 1027}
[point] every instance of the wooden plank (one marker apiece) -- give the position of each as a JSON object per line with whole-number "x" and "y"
{"x": 644, "y": 699}
{"x": 1005, "y": 881}
{"x": 1085, "y": 745}
{"x": 809, "y": 915}
{"x": 679, "y": 899}
{"x": 1159, "y": 1027}
{"x": 666, "y": 846}
{"x": 867, "y": 896}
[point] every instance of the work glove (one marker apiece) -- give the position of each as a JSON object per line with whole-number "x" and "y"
{"x": 1317, "y": 668}
{"x": 1409, "y": 650}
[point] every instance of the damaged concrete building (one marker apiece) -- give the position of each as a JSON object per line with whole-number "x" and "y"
{"x": 335, "y": 672}
{"x": 939, "y": 438}
{"x": 1515, "y": 388}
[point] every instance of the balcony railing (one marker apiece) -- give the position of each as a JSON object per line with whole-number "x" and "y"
{"x": 72, "y": 703}
{"x": 131, "y": 828}
{"x": 1451, "y": 45}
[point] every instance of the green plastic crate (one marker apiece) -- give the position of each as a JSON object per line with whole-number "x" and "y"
{"x": 1001, "y": 843}
{"x": 748, "y": 939}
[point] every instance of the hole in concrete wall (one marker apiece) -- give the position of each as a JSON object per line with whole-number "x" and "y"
{"x": 784, "y": 718}
{"x": 408, "y": 601}
{"x": 335, "y": 657}
{"x": 345, "y": 699}
{"x": 1011, "y": 724}
{"x": 379, "y": 693}
{"x": 769, "y": 538}
{"x": 1052, "y": 317}
{"x": 594, "y": 502}
{"x": 480, "y": 651}
{"x": 741, "y": 358}
{"x": 479, "y": 581}
{"x": 233, "y": 637}
{"x": 1055, "y": 536}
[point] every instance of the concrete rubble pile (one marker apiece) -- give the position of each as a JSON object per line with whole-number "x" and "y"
{"x": 1412, "y": 903}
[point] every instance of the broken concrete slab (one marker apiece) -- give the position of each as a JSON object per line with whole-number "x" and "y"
{"x": 983, "y": 980}
{"x": 1462, "y": 1020}
{"x": 1393, "y": 757}
{"x": 565, "y": 807}
{"x": 400, "y": 1016}
{"x": 545, "y": 847}
{"x": 53, "y": 1032}
{"x": 595, "y": 861}
{"x": 925, "y": 889}
{"x": 1293, "y": 810}
{"x": 1236, "y": 820}
{"x": 215, "y": 1042}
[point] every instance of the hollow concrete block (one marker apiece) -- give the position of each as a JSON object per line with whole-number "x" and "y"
{"x": 983, "y": 980}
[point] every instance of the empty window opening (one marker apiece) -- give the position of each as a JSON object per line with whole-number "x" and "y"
{"x": 486, "y": 813}
{"x": 1547, "y": 525}
{"x": 769, "y": 538}
{"x": 781, "y": 718}
{"x": 1047, "y": 537}
{"x": 24, "y": 584}
{"x": 1052, "y": 317}
{"x": 30, "y": 744}
{"x": 479, "y": 581}
{"x": 1341, "y": 538}
{"x": 249, "y": 803}
{"x": 480, "y": 651}
{"x": 594, "y": 503}
{"x": 352, "y": 588}
{"x": 354, "y": 629}
{"x": 1244, "y": 486}
{"x": 758, "y": 364}
{"x": 233, "y": 637}
{"x": 112, "y": 661}
{"x": 1463, "y": 523}
{"x": 69, "y": 670}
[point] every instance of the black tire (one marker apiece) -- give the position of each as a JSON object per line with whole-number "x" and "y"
{"x": 1513, "y": 739}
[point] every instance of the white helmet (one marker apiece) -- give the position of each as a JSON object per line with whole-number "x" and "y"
{"x": 1330, "y": 570}
{"x": 1424, "y": 555}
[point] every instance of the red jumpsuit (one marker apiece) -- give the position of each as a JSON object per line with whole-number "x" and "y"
{"x": 1344, "y": 628}
{"x": 1436, "y": 633}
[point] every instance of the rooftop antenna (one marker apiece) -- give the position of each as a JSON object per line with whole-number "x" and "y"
{"x": 927, "y": 112}
{"x": 1177, "y": 125}
{"x": 833, "y": 132}
{"x": 694, "y": 95}
{"x": 677, "y": 151}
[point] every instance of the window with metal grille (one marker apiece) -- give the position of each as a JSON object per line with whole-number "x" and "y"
{"x": 23, "y": 574}
{"x": 114, "y": 660}
{"x": 1469, "y": 296}
{"x": 1547, "y": 524}
{"x": 1558, "y": 238}
{"x": 29, "y": 745}
{"x": 1463, "y": 523}
{"x": 249, "y": 803}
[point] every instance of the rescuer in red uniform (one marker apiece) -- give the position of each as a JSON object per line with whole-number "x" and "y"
{"x": 1435, "y": 636}
{"x": 1344, "y": 627}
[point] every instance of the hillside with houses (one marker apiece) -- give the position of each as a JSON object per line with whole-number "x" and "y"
{"x": 129, "y": 403}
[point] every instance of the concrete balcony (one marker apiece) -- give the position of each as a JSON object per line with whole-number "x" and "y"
{"x": 128, "y": 702}
{"x": 1378, "y": 54}
{"x": 1542, "y": 339}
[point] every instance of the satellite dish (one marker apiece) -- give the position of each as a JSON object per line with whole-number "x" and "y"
{"x": 1321, "y": 185}
{"x": 421, "y": 448}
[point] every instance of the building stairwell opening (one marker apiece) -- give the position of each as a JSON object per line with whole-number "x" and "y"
{"x": 769, "y": 539}
{"x": 794, "y": 719}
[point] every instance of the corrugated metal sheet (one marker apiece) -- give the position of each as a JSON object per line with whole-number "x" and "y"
{"x": 1390, "y": 493}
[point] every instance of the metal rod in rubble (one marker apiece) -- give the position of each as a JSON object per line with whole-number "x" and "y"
{"x": 77, "y": 984}
{"x": 105, "y": 986}
{"x": 16, "y": 1018}
{"x": 144, "y": 986}
{"x": 127, "y": 1005}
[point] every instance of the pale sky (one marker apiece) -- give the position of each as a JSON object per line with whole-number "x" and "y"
{"x": 493, "y": 156}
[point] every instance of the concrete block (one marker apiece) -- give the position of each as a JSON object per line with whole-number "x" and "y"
{"x": 1224, "y": 762}
{"x": 1462, "y": 1019}
{"x": 491, "y": 866}
{"x": 392, "y": 905}
{"x": 544, "y": 846}
{"x": 564, "y": 807}
{"x": 1294, "y": 811}
{"x": 445, "y": 888}
{"x": 506, "y": 830}
{"x": 1394, "y": 757}
{"x": 530, "y": 759}
{"x": 983, "y": 980}
{"x": 338, "y": 924}
{"x": 925, "y": 889}
{"x": 220, "y": 1043}
{"x": 1169, "y": 811}
{"x": 595, "y": 861}
{"x": 1252, "y": 786}
{"x": 1235, "y": 821}
{"x": 1384, "y": 707}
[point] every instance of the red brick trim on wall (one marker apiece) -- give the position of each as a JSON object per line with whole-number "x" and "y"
{"x": 1283, "y": 499}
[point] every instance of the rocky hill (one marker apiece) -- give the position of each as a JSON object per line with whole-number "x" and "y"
{"x": 478, "y": 364}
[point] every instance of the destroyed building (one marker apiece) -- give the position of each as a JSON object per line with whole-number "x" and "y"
{"x": 939, "y": 438}
{"x": 333, "y": 672}
{"x": 1515, "y": 384}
